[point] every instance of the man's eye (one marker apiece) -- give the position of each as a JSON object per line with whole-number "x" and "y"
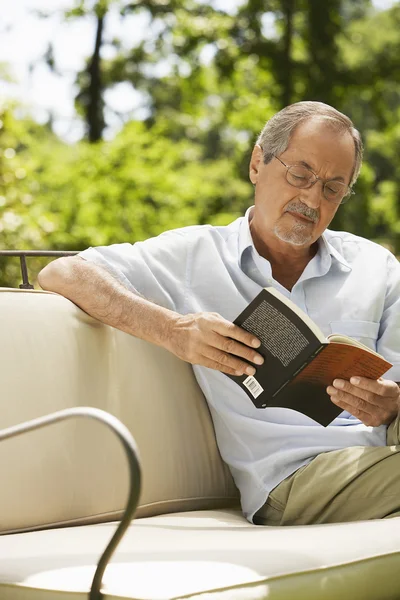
{"x": 333, "y": 190}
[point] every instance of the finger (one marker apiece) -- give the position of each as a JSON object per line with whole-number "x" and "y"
{"x": 231, "y": 346}
{"x": 230, "y": 330}
{"x": 379, "y": 387}
{"x": 355, "y": 402}
{"x": 229, "y": 361}
{"x": 354, "y": 393}
{"x": 205, "y": 361}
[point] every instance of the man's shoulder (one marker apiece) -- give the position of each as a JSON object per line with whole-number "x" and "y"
{"x": 206, "y": 231}
{"x": 350, "y": 245}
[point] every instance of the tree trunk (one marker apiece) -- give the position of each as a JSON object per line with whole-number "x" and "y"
{"x": 94, "y": 114}
{"x": 324, "y": 24}
{"x": 287, "y": 70}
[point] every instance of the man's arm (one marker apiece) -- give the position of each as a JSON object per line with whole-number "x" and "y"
{"x": 201, "y": 338}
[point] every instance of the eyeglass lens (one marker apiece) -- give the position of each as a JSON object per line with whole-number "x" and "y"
{"x": 301, "y": 177}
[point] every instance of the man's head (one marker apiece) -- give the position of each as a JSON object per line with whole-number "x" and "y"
{"x": 295, "y": 205}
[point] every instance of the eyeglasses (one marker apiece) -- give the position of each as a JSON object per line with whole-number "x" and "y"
{"x": 302, "y": 177}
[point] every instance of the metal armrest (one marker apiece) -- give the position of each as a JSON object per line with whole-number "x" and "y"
{"x": 22, "y": 254}
{"x": 134, "y": 470}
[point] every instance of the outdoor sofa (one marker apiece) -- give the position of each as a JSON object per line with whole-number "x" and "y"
{"x": 64, "y": 487}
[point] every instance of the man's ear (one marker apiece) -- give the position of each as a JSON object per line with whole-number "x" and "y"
{"x": 255, "y": 163}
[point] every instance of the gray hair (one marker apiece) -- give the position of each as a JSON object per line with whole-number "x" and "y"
{"x": 275, "y": 136}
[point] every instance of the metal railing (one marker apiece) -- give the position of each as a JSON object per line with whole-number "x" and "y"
{"x": 22, "y": 254}
{"x": 131, "y": 452}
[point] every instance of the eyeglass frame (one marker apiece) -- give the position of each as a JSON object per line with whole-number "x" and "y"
{"x": 349, "y": 192}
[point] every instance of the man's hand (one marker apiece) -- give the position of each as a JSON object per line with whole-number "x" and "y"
{"x": 373, "y": 402}
{"x": 209, "y": 340}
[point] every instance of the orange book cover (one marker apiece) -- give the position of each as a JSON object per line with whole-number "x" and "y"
{"x": 341, "y": 361}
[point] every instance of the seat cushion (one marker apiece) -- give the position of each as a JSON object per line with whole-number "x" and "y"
{"x": 207, "y": 554}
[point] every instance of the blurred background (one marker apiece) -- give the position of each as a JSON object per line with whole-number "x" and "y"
{"x": 119, "y": 120}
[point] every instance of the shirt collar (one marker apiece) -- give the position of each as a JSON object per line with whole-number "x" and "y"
{"x": 245, "y": 240}
{"x": 325, "y": 247}
{"x": 325, "y": 250}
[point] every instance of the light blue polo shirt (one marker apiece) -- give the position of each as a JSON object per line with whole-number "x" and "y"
{"x": 351, "y": 286}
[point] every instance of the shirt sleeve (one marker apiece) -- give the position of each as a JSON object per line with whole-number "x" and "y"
{"x": 154, "y": 269}
{"x": 389, "y": 331}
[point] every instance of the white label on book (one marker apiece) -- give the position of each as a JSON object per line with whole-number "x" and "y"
{"x": 253, "y": 386}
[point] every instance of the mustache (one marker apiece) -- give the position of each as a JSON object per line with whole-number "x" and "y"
{"x": 302, "y": 209}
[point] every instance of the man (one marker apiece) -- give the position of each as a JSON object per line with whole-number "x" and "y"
{"x": 182, "y": 289}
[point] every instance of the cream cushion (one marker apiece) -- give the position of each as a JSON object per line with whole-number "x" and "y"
{"x": 208, "y": 554}
{"x": 54, "y": 356}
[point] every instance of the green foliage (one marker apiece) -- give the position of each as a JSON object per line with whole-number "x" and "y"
{"x": 187, "y": 161}
{"x": 135, "y": 186}
{"x": 24, "y": 223}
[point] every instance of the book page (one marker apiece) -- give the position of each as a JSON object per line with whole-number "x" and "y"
{"x": 300, "y": 313}
{"x": 276, "y": 332}
{"x": 344, "y": 339}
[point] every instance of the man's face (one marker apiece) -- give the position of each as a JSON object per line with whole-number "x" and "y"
{"x": 292, "y": 215}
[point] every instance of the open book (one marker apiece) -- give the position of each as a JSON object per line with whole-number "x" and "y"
{"x": 299, "y": 361}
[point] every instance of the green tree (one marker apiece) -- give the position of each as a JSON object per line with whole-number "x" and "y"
{"x": 187, "y": 161}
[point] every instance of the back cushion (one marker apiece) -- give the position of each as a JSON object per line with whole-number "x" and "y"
{"x": 54, "y": 356}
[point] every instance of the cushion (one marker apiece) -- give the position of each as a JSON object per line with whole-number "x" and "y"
{"x": 54, "y": 356}
{"x": 209, "y": 555}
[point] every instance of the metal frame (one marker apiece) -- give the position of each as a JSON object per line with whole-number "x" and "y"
{"x": 131, "y": 451}
{"x": 22, "y": 254}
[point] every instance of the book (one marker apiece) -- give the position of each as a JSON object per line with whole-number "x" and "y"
{"x": 299, "y": 361}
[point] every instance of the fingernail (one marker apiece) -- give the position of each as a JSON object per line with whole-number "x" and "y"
{"x": 250, "y": 370}
{"x": 256, "y": 343}
{"x": 355, "y": 380}
{"x": 338, "y": 383}
{"x": 331, "y": 391}
{"x": 258, "y": 360}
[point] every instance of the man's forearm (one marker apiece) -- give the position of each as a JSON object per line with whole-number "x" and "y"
{"x": 103, "y": 297}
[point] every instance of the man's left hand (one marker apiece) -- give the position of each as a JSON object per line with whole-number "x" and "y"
{"x": 373, "y": 402}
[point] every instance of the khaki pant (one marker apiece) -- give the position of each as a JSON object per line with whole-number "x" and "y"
{"x": 352, "y": 484}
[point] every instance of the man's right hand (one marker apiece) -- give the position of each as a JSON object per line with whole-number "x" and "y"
{"x": 209, "y": 340}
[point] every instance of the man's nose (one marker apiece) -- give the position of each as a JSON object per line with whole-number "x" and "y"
{"x": 313, "y": 195}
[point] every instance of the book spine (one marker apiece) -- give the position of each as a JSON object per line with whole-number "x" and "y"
{"x": 307, "y": 362}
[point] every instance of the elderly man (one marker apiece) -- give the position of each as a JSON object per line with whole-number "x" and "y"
{"x": 182, "y": 289}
